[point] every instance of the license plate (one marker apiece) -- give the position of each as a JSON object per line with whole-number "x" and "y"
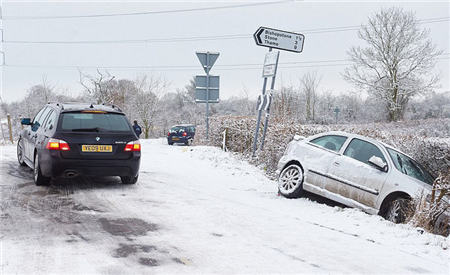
{"x": 175, "y": 138}
{"x": 96, "y": 148}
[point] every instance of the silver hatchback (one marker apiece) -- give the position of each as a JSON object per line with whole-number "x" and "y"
{"x": 353, "y": 170}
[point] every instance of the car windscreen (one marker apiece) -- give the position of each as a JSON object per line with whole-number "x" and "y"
{"x": 410, "y": 167}
{"x": 92, "y": 121}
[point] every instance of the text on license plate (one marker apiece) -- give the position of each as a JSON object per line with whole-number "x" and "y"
{"x": 175, "y": 138}
{"x": 96, "y": 148}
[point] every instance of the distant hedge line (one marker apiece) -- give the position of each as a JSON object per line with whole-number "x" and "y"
{"x": 427, "y": 141}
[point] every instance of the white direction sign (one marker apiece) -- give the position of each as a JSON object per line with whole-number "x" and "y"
{"x": 270, "y": 64}
{"x": 277, "y": 39}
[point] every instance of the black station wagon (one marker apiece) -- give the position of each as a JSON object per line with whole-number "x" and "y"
{"x": 79, "y": 139}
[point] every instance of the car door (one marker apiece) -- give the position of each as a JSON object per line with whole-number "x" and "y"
{"x": 354, "y": 177}
{"x": 319, "y": 154}
{"x": 29, "y": 135}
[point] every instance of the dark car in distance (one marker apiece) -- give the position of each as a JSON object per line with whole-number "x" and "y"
{"x": 79, "y": 139}
{"x": 183, "y": 133}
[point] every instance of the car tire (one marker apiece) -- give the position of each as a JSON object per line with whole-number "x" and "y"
{"x": 397, "y": 210}
{"x": 39, "y": 179}
{"x": 189, "y": 142}
{"x": 290, "y": 181}
{"x": 129, "y": 179}
{"x": 170, "y": 143}
{"x": 20, "y": 156}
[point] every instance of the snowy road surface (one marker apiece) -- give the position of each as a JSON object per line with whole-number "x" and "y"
{"x": 195, "y": 210}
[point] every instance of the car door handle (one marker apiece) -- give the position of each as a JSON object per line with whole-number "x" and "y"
{"x": 336, "y": 163}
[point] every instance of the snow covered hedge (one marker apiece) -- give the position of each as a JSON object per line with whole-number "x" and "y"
{"x": 428, "y": 141}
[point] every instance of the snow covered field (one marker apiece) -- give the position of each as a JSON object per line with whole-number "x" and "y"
{"x": 195, "y": 210}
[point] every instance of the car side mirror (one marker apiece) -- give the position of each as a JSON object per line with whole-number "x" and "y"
{"x": 297, "y": 137}
{"x": 378, "y": 163}
{"x": 26, "y": 121}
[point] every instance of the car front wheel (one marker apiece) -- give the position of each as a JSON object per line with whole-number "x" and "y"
{"x": 397, "y": 210}
{"x": 39, "y": 179}
{"x": 290, "y": 182}
{"x": 20, "y": 152}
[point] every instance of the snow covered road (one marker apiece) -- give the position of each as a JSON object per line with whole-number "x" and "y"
{"x": 195, "y": 210}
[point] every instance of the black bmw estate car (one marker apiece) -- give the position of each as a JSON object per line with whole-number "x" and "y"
{"x": 79, "y": 139}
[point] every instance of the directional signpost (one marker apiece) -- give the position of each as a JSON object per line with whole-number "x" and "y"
{"x": 277, "y": 39}
{"x": 274, "y": 39}
{"x": 207, "y": 86}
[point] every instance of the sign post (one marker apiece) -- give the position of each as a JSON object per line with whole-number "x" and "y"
{"x": 203, "y": 84}
{"x": 273, "y": 39}
{"x": 277, "y": 39}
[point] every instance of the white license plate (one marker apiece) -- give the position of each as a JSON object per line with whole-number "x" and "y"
{"x": 96, "y": 148}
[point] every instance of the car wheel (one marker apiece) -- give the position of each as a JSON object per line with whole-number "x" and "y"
{"x": 129, "y": 179}
{"x": 170, "y": 143}
{"x": 397, "y": 210}
{"x": 39, "y": 179}
{"x": 20, "y": 156}
{"x": 290, "y": 182}
{"x": 189, "y": 142}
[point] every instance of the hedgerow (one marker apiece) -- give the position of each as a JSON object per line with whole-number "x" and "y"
{"x": 427, "y": 141}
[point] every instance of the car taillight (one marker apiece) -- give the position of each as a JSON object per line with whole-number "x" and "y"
{"x": 57, "y": 144}
{"x": 133, "y": 146}
{"x": 168, "y": 134}
{"x": 184, "y": 134}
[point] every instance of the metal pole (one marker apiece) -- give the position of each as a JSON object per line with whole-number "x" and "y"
{"x": 207, "y": 95}
{"x": 255, "y": 141}
{"x": 272, "y": 86}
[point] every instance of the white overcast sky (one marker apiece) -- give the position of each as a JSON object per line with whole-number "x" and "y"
{"x": 54, "y": 39}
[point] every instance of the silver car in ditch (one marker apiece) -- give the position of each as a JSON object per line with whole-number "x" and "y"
{"x": 353, "y": 170}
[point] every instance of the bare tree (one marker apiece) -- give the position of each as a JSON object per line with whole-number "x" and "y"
{"x": 99, "y": 87}
{"x": 37, "y": 96}
{"x": 150, "y": 89}
{"x": 309, "y": 86}
{"x": 398, "y": 62}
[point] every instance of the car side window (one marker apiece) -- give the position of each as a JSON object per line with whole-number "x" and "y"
{"x": 331, "y": 142}
{"x": 50, "y": 122}
{"x": 39, "y": 118}
{"x": 362, "y": 150}
{"x": 410, "y": 167}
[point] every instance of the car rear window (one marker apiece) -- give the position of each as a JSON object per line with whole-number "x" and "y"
{"x": 177, "y": 129}
{"x": 331, "y": 142}
{"x": 79, "y": 121}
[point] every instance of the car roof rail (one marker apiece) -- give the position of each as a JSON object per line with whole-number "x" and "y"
{"x": 57, "y": 104}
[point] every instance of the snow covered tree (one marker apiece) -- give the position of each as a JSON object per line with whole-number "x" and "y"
{"x": 309, "y": 86}
{"x": 398, "y": 62}
{"x": 99, "y": 88}
{"x": 37, "y": 96}
{"x": 150, "y": 89}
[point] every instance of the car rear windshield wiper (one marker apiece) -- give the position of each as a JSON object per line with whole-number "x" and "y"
{"x": 95, "y": 129}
